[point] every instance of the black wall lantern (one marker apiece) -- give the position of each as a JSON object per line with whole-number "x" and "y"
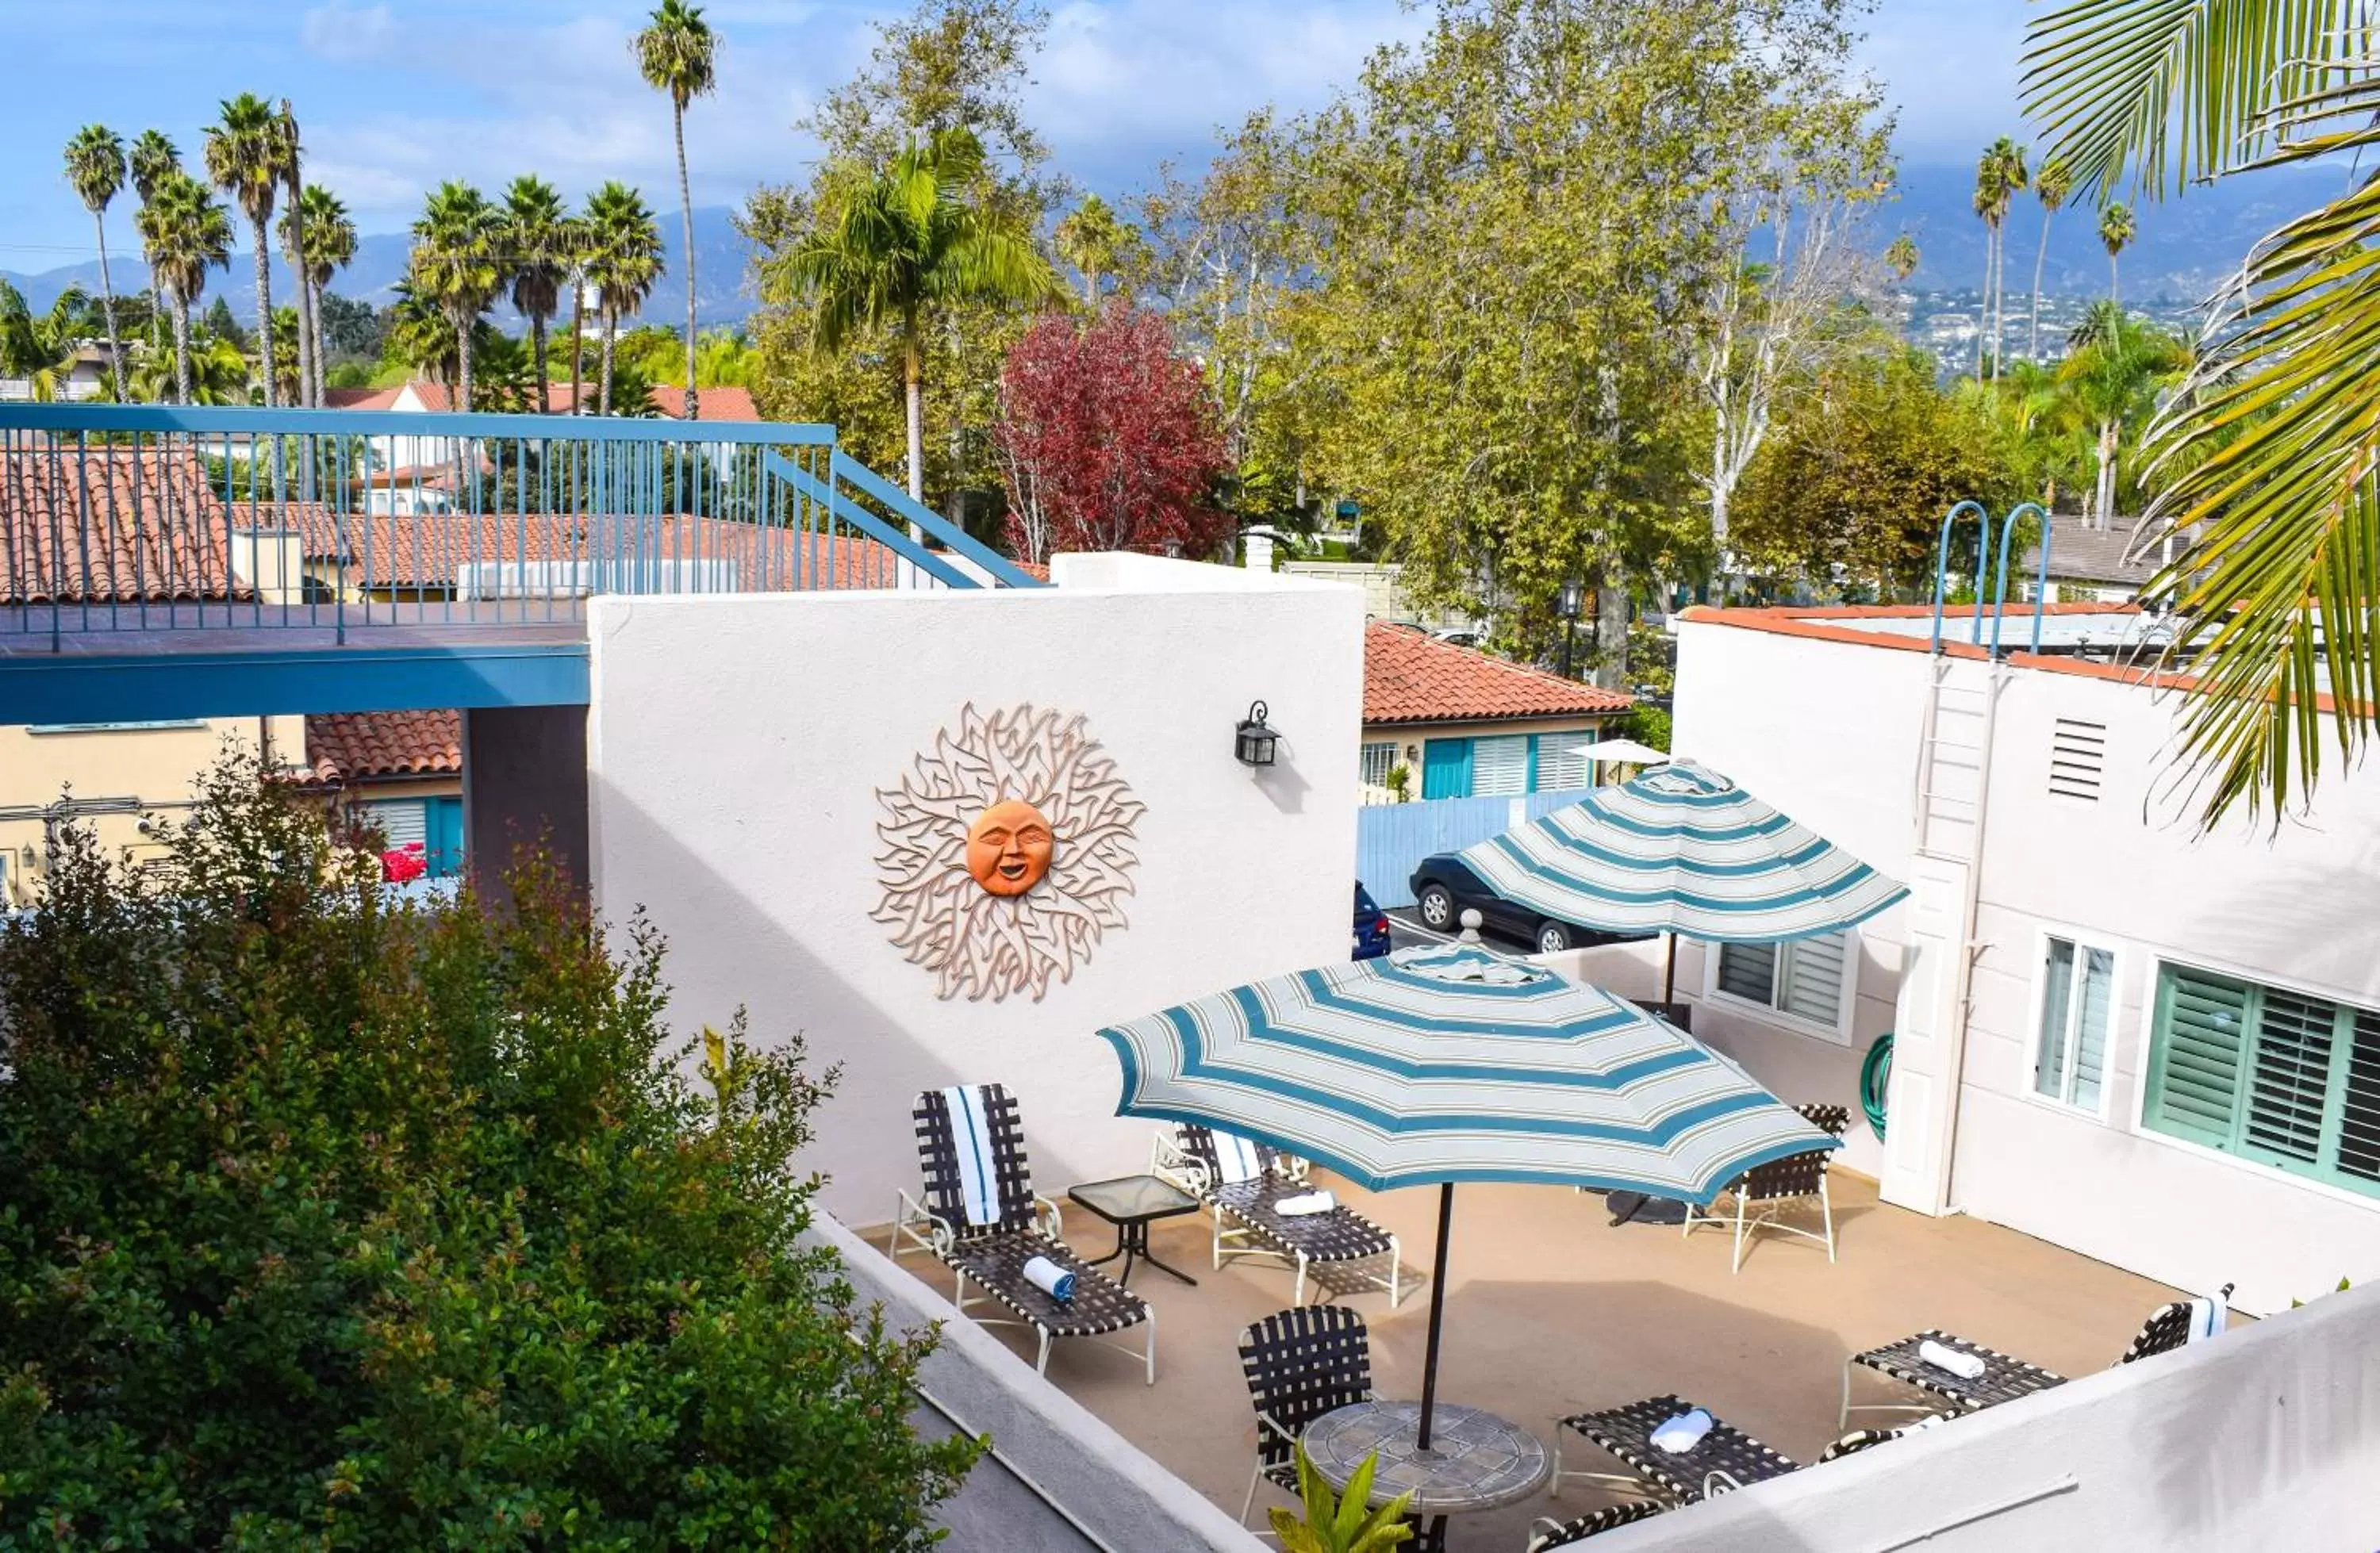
{"x": 1256, "y": 741}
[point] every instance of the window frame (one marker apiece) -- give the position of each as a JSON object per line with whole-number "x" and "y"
{"x": 2039, "y": 995}
{"x": 1838, "y": 1033}
{"x": 1363, "y": 755}
{"x": 2327, "y": 1180}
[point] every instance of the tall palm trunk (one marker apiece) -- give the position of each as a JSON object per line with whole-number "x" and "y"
{"x": 463, "y": 361}
{"x": 315, "y": 292}
{"x": 2111, "y": 278}
{"x": 537, "y": 353}
{"x": 686, "y": 208}
{"x": 611, "y": 328}
{"x": 2041, "y": 256}
{"x": 264, "y": 312}
{"x": 107, "y": 310}
{"x": 577, "y": 347}
{"x": 913, "y": 373}
{"x": 2108, "y": 432}
{"x": 181, "y": 347}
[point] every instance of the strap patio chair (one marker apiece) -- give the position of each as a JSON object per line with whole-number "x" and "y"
{"x": 1021, "y": 1226}
{"x": 2005, "y": 1378}
{"x": 1548, "y": 1533}
{"x": 1300, "y": 1364}
{"x": 1724, "y": 1460}
{"x": 1248, "y": 1223}
{"x": 1758, "y": 1196}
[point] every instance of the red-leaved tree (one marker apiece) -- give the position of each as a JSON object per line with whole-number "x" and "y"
{"x": 1108, "y": 441}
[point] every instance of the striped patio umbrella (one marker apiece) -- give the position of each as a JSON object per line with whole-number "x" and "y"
{"x": 1682, "y": 850}
{"x": 1451, "y": 1063}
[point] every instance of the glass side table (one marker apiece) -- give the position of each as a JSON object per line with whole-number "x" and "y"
{"x": 1132, "y": 1203}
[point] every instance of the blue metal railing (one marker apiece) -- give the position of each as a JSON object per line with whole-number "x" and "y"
{"x": 1987, "y": 576}
{"x": 142, "y": 518}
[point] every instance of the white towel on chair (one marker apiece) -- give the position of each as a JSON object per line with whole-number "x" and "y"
{"x": 1299, "y": 1206}
{"x": 1679, "y": 1435}
{"x": 1966, "y": 1366}
{"x": 1050, "y": 1278}
{"x": 2208, "y": 1316}
{"x": 971, "y": 1141}
{"x": 1238, "y": 1158}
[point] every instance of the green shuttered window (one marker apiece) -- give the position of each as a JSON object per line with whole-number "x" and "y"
{"x": 2268, "y": 1074}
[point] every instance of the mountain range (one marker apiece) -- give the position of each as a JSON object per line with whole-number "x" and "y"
{"x": 2184, "y": 248}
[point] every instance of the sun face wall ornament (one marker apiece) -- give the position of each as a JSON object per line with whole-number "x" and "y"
{"x": 1006, "y": 852}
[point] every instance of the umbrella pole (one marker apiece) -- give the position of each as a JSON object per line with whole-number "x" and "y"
{"x": 1437, "y": 1311}
{"x": 1669, "y": 977}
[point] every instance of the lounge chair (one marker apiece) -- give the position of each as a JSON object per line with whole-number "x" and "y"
{"x": 1725, "y": 1459}
{"x": 1246, "y": 1216}
{"x": 2005, "y": 1378}
{"x": 1758, "y": 1194}
{"x": 1301, "y": 1363}
{"x": 1548, "y": 1533}
{"x": 1010, "y": 1227}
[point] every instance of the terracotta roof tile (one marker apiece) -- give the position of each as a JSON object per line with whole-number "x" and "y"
{"x": 359, "y": 746}
{"x": 1411, "y": 677}
{"x": 144, "y": 527}
{"x": 667, "y": 399}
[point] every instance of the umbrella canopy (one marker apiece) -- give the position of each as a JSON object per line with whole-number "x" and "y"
{"x": 1451, "y": 1063}
{"x": 1623, "y": 752}
{"x": 1682, "y": 850}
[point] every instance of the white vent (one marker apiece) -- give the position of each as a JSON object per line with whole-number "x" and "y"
{"x": 2077, "y": 759}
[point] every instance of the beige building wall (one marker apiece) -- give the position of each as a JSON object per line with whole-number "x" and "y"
{"x": 114, "y": 777}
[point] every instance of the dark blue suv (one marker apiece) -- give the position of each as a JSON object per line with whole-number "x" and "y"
{"x": 1371, "y": 927}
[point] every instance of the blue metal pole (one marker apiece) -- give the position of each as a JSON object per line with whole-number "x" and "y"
{"x": 2041, "y": 581}
{"x": 1942, "y": 562}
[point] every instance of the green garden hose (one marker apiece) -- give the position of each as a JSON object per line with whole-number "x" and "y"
{"x": 1876, "y": 1073}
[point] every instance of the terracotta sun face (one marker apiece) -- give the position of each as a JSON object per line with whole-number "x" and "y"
{"x": 1006, "y": 852}
{"x": 1009, "y": 847}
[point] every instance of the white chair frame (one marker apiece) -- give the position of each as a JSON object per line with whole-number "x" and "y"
{"x": 1169, "y": 1162}
{"x": 1752, "y": 1216}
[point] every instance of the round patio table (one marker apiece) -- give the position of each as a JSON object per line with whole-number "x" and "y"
{"x": 1476, "y": 1461}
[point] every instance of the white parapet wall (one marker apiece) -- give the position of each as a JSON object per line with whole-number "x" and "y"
{"x": 736, "y": 746}
{"x": 2263, "y": 1439}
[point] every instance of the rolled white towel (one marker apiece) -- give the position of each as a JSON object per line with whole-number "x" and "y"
{"x": 1050, "y": 1278}
{"x": 1966, "y": 1366}
{"x": 1679, "y": 1435}
{"x": 1311, "y": 1202}
{"x": 2209, "y": 1314}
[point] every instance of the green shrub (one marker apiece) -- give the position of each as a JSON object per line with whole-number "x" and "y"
{"x": 328, "y": 1225}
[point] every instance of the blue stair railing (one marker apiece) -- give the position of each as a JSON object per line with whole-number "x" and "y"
{"x": 1988, "y": 575}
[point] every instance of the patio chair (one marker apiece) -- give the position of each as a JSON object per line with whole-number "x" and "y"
{"x": 1725, "y": 1459}
{"x": 2005, "y": 1378}
{"x": 1300, "y": 1364}
{"x": 1758, "y": 1196}
{"x": 1247, "y": 1225}
{"x": 1548, "y": 1533}
{"x": 1015, "y": 1227}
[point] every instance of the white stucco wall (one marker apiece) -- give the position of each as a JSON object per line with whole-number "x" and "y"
{"x": 1829, "y": 732}
{"x": 735, "y": 745}
{"x": 2260, "y": 1440}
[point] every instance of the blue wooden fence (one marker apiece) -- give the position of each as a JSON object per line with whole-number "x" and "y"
{"x": 1391, "y": 839}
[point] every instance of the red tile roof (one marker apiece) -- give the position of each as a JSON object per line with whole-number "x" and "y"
{"x": 668, "y": 400}
{"x": 1411, "y": 677}
{"x": 358, "y": 398}
{"x": 359, "y": 746}
{"x": 139, "y": 527}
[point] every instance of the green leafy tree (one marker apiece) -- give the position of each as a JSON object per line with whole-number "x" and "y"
{"x": 2117, "y": 230}
{"x": 890, "y": 243}
{"x": 217, "y": 370}
{"x": 417, "y": 335}
{"x": 248, "y": 152}
{"x": 318, "y": 238}
{"x": 2113, "y": 374}
{"x": 2050, "y": 185}
{"x": 39, "y": 350}
{"x": 676, "y": 53}
{"x": 1100, "y": 245}
{"x": 623, "y": 249}
{"x": 336, "y": 1223}
{"x": 96, "y": 168}
{"x": 183, "y": 234}
{"x": 152, "y": 158}
{"x": 458, "y": 265}
{"x": 537, "y": 237}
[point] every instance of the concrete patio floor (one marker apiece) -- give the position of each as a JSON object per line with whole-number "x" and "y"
{"x": 1550, "y": 1310}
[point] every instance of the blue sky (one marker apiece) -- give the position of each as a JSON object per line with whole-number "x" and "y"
{"x": 397, "y": 94}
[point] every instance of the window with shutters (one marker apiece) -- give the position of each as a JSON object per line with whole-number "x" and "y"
{"x": 1379, "y": 760}
{"x": 1561, "y": 760}
{"x": 2077, "y": 1002}
{"x": 1500, "y": 766}
{"x": 2270, "y": 1074}
{"x": 1807, "y": 980}
{"x": 401, "y": 821}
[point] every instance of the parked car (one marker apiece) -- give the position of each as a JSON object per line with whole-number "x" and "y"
{"x": 1371, "y": 925}
{"x": 1444, "y": 888}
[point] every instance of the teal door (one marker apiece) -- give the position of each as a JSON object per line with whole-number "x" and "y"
{"x": 1446, "y": 769}
{"x": 443, "y": 835}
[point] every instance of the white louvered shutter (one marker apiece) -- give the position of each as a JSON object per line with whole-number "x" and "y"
{"x": 1499, "y": 767}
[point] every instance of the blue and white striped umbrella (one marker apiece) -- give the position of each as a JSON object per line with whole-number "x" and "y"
{"x": 1681, "y": 849}
{"x": 1451, "y": 1064}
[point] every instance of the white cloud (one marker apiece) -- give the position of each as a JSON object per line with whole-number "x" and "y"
{"x": 348, "y": 35}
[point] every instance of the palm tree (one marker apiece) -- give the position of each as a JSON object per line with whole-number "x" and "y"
{"x": 293, "y": 224}
{"x": 457, "y": 265}
{"x": 153, "y": 157}
{"x": 249, "y": 153}
{"x": 576, "y": 245}
{"x": 2117, "y": 230}
{"x": 896, "y": 242}
{"x": 183, "y": 233}
{"x": 2114, "y": 370}
{"x": 2051, "y": 185}
{"x": 319, "y": 219}
{"x": 1095, "y": 243}
{"x": 420, "y": 336}
{"x": 41, "y": 350}
{"x": 675, "y": 55}
{"x": 623, "y": 260}
{"x": 537, "y": 238}
{"x": 95, "y": 167}
{"x": 217, "y": 371}
{"x": 1900, "y": 257}
{"x": 1999, "y": 174}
